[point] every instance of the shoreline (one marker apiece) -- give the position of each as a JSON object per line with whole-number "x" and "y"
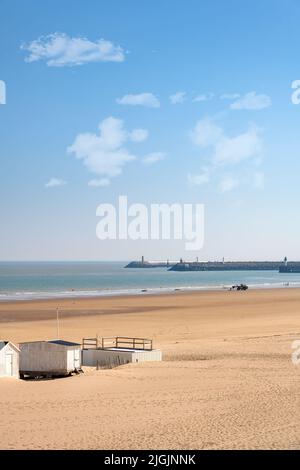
{"x": 80, "y": 295}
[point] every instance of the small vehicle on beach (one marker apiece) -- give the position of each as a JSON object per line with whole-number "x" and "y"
{"x": 239, "y": 287}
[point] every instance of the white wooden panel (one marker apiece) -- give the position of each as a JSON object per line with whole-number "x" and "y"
{"x": 9, "y": 365}
{"x": 110, "y": 358}
{"x": 9, "y": 361}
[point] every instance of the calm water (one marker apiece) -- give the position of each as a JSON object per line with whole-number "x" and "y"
{"x": 29, "y": 280}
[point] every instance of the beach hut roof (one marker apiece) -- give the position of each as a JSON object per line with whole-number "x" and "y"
{"x": 60, "y": 342}
{"x": 64, "y": 343}
{"x": 4, "y": 343}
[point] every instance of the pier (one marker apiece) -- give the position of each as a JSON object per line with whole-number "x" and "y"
{"x": 283, "y": 267}
{"x": 150, "y": 264}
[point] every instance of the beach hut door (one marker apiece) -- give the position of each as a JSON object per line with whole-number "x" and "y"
{"x": 76, "y": 359}
{"x": 9, "y": 364}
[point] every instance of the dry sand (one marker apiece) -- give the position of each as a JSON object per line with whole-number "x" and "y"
{"x": 227, "y": 380}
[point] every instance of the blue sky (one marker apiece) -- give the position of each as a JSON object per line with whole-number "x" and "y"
{"x": 207, "y": 84}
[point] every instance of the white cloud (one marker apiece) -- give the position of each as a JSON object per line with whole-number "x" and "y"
{"x": 206, "y": 133}
{"x": 139, "y": 135}
{"x": 230, "y": 96}
{"x": 60, "y": 50}
{"x": 53, "y": 182}
{"x": 252, "y": 101}
{"x": 142, "y": 99}
{"x": 204, "y": 97}
{"x": 153, "y": 157}
{"x": 259, "y": 181}
{"x": 104, "y": 154}
{"x": 99, "y": 183}
{"x": 178, "y": 97}
{"x": 232, "y": 150}
{"x": 228, "y": 183}
{"x": 199, "y": 179}
{"x": 227, "y": 150}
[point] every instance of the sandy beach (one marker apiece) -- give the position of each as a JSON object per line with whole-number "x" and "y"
{"x": 227, "y": 380}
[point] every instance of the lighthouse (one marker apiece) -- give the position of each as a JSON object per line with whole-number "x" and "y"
{"x": 285, "y": 261}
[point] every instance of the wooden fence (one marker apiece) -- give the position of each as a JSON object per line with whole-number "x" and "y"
{"x": 118, "y": 342}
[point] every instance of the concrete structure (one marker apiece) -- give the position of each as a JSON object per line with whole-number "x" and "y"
{"x": 9, "y": 359}
{"x": 116, "y": 351}
{"x": 116, "y": 357}
{"x": 49, "y": 358}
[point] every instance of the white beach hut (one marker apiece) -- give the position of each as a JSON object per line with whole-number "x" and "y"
{"x": 9, "y": 359}
{"x": 49, "y": 358}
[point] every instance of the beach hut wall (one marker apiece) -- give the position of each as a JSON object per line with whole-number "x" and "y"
{"x": 49, "y": 358}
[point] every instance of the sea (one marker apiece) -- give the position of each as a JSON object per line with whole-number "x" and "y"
{"x": 46, "y": 280}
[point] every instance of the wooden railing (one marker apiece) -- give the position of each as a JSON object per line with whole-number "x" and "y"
{"x": 90, "y": 343}
{"x": 125, "y": 342}
{"x": 118, "y": 342}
